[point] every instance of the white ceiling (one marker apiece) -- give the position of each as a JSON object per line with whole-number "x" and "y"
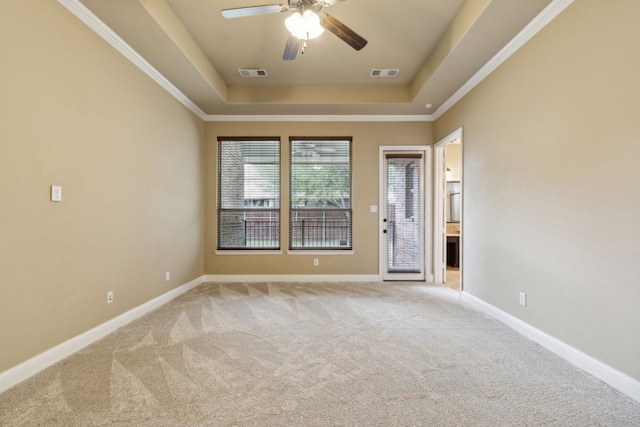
{"x": 437, "y": 45}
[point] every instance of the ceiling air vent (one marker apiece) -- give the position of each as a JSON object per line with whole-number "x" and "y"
{"x": 252, "y": 72}
{"x": 389, "y": 72}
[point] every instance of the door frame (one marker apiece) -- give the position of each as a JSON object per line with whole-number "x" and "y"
{"x": 439, "y": 225}
{"x": 426, "y": 208}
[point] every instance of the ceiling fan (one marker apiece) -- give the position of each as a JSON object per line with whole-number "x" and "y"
{"x": 304, "y": 24}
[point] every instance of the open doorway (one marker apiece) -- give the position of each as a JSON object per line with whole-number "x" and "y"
{"x": 448, "y": 211}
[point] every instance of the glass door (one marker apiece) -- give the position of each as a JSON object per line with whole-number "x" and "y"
{"x": 403, "y": 216}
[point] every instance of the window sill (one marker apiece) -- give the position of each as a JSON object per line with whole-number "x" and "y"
{"x": 247, "y": 252}
{"x": 319, "y": 252}
{"x": 279, "y": 252}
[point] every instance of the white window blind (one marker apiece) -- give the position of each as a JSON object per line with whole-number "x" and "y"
{"x": 320, "y": 214}
{"x": 248, "y": 193}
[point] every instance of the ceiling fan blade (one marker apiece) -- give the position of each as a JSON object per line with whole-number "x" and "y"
{"x": 327, "y": 3}
{"x": 345, "y": 33}
{"x": 292, "y": 48}
{"x": 319, "y": 4}
{"x": 241, "y": 12}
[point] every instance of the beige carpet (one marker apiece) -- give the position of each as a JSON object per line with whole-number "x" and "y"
{"x": 452, "y": 278}
{"x": 274, "y": 354}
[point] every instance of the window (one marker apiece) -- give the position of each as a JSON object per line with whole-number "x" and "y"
{"x": 248, "y": 193}
{"x": 320, "y": 215}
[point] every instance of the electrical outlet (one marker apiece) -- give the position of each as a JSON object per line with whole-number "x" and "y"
{"x": 167, "y": 276}
{"x": 316, "y": 262}
{"x": 109, "y": 297}
{"x": 523, "y": 298}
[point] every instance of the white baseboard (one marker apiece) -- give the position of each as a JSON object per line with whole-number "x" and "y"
{"x": 215, "y": 278}
{"x": 616, "y": 379}
{"x": 21, "y": 372}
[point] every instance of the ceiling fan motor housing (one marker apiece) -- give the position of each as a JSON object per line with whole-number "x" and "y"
{"x": 303, "y": 5}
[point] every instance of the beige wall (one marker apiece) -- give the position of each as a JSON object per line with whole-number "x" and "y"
{"x": 75, "y": 113}
{"x": 549, "y": 210}
{"x": 453, "y": 156}
{"x": 551, "y": 149}
{"x": 367, "y": 138}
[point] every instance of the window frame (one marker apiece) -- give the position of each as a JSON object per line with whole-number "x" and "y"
{"x": 222, "y": 247}
{"x": 293, "y": 210}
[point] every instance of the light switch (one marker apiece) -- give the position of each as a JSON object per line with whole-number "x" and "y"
{"x": 373, "y": 208}
{"x": 56, "y": 193}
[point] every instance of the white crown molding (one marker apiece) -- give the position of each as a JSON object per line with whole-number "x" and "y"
{"x": 616, "y": 379}
{"x": 93, "y": 22}
{"x": 52, "y": 356}
{"x": 319, "y": 118}
{"x": 100, "y": 28}
{"x": 302, "y": 278}
{"x": 538, "y": 23}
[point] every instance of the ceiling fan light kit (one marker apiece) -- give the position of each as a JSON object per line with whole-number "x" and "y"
{"x": 304, "y": 24}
